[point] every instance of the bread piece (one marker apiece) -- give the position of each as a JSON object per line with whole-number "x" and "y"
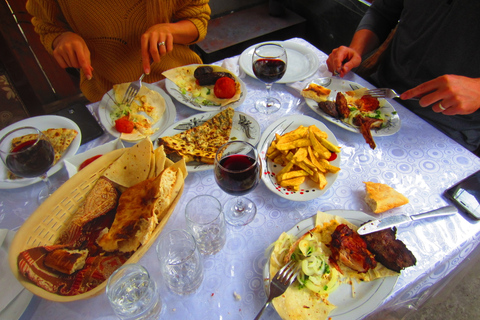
{"x": 381, "y": 197}
{"x": 65, "y": 260}
{"x": 316, "y": 92}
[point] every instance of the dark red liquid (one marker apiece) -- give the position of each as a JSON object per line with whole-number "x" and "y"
{"x": 269, "y": 70}
{"x": 239, "y": 179}
{"x": 33, "y": 161}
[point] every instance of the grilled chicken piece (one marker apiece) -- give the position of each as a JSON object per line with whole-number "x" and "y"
{"x": 389, "y": 251}
{"x": 367, "y": 103}
{"x": 348, "y": 247}
{"x": 365, "y": 124}
{"x": 329, "y": 107}
{"x": 342, "y": 106}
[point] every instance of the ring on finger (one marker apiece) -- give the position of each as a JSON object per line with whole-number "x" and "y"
{"x": 441, "y": 107}
{"x": 161, "y": 43}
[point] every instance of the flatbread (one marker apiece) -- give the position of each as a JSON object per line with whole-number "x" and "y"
{"x": 204, "y": 95}
{"x": 139, "y": 210}
{"x": 381, "y": 197}
{"x": 202, "y": 142}
{"x": 133, "y": 166}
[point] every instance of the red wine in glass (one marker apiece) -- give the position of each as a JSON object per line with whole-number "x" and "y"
{"x": 238, "y": 174}
{"x": 32, "y": 158}
{"x": 269, "y": 70}
{"x": 237, "y": 171}
{"x": 269, "y": 64}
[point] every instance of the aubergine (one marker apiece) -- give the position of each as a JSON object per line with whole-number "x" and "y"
{"x": 206, "y": 76}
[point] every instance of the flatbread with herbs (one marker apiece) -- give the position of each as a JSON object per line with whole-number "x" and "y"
{"x": 202, "y": 142}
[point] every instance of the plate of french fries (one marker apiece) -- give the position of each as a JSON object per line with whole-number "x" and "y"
{"x": 301, "y": 158}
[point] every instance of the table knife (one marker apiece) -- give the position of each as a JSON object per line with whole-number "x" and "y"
{"x": 388, "y": 222}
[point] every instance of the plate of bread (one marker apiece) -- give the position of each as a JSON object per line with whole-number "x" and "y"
{"x": 106, "y": 215}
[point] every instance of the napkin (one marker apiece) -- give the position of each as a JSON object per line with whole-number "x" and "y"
{"x": 233, "y": 65}
{"x": 322, "y": 72}
{"x": 7, "y": 280}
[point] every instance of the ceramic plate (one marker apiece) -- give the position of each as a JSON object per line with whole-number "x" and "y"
{"x": 187, "y": 100}
{"x": 244, "y": 128}
{"x": 368, "y": 295}
{"x": 168, "y": 118}
{"x": 41, "y": 123}
{"x": 308, "y": 189}
{"x": 302, "y": 62}
{"x": 336, "y": 85}
{"x": 72, "y": 164}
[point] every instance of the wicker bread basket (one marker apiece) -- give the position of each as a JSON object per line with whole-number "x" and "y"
{"x": 46, "y": 223}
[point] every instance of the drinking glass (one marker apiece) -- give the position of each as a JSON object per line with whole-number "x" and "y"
{"x": 205, "y": 219}
{"x": 269, "y": 65}
{"x": 30, "y": 159}
{"x": 133, "y": 294}
{"x": 180, "y": 261}
{"x": 238, "y": 170}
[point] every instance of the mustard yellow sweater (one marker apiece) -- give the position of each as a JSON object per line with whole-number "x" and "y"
{"x": 112, "y": 31}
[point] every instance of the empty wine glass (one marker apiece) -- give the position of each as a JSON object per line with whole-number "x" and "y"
{"x": 28, "y": 157}
{"x": 238, "y": 171}
{"x": 269, "y": 65}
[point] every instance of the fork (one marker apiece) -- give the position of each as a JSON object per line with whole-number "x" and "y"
{"x": 132, "y": 91}
{"x": 279, "y": 284}
{"x": 383, "y": 93}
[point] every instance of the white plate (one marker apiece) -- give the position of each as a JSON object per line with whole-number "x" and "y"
{"x": 302, "y": 62}
{"x": 336, "y": 85}
{"x": 72, "y": 164}
{"x": 41, "y": 123}
{"x": 242, "y": 123}
{"x": 168, "y": 118}
{"x": 187, "y": 100}
{"x": 368, "y": 295}
{"x": 308, "y": 189}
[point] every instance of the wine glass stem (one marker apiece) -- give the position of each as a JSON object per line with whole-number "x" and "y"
{"x": 269, "y": 89}
{"x": 47, "y": 182}
{"x": 239, "y": 207}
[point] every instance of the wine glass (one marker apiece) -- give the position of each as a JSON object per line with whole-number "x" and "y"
{"x": 269, "y": 65}
{"x": 30, "y": 158}
{"x": 238, "y": 170}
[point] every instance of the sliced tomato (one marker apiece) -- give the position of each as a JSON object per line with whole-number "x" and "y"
{"x": 124, "y": 125}
{"x": 88, "y": 161}
{"x": 225, "y": 88}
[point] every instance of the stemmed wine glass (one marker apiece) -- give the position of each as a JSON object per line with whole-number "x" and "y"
{"x": 30, "y": 158}
{"x": 269, "y": 65}
{"x": 238, "y": 171}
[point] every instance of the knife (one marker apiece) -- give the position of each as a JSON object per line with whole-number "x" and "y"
{"x": 388, "y": 222}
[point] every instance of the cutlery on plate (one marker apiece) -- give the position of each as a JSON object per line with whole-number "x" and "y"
{"x": 279, "y": 284}
{"x": 388, "y": 222}
{"x": 386, "y": 93}
{"x": 132, "y": 91}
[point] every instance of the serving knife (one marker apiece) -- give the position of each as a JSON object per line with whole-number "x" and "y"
{"x": 388, "y": 222}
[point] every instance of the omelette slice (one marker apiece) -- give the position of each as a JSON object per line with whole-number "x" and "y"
{"x": 202, "y": 142}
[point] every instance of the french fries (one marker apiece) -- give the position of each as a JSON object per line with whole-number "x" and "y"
{"x": 303, "y": 153}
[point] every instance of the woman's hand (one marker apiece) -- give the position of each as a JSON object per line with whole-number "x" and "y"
{"x": 342, "y": 60}
{"x": 448, "y": 94}
{"x": 158, "y": 40}
{"x": 71, "y": 51}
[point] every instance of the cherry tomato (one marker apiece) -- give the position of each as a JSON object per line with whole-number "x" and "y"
{"x": 124, "y": 125}
{"x": 224, "y": 88}
{"x": 88, "y": 161}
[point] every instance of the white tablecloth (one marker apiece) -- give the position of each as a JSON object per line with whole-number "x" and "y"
{"x": 419, "y": 161}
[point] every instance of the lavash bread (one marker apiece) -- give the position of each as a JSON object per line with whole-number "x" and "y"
{"x": 316, "y": 92}
{"x": 139, "y": 209}
{"x": 381, "y": 197}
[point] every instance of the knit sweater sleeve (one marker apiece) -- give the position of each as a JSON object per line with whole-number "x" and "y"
{"x": 47, "y": 20}
{"x": 196, "y": 11}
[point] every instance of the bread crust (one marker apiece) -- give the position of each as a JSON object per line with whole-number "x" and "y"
{"x": 381, "y": 197}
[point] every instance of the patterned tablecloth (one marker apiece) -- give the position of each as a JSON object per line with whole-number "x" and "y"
{"x": 419, "y": 161}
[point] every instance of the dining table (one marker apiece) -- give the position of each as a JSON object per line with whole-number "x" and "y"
{"x": 418, "y": 161}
